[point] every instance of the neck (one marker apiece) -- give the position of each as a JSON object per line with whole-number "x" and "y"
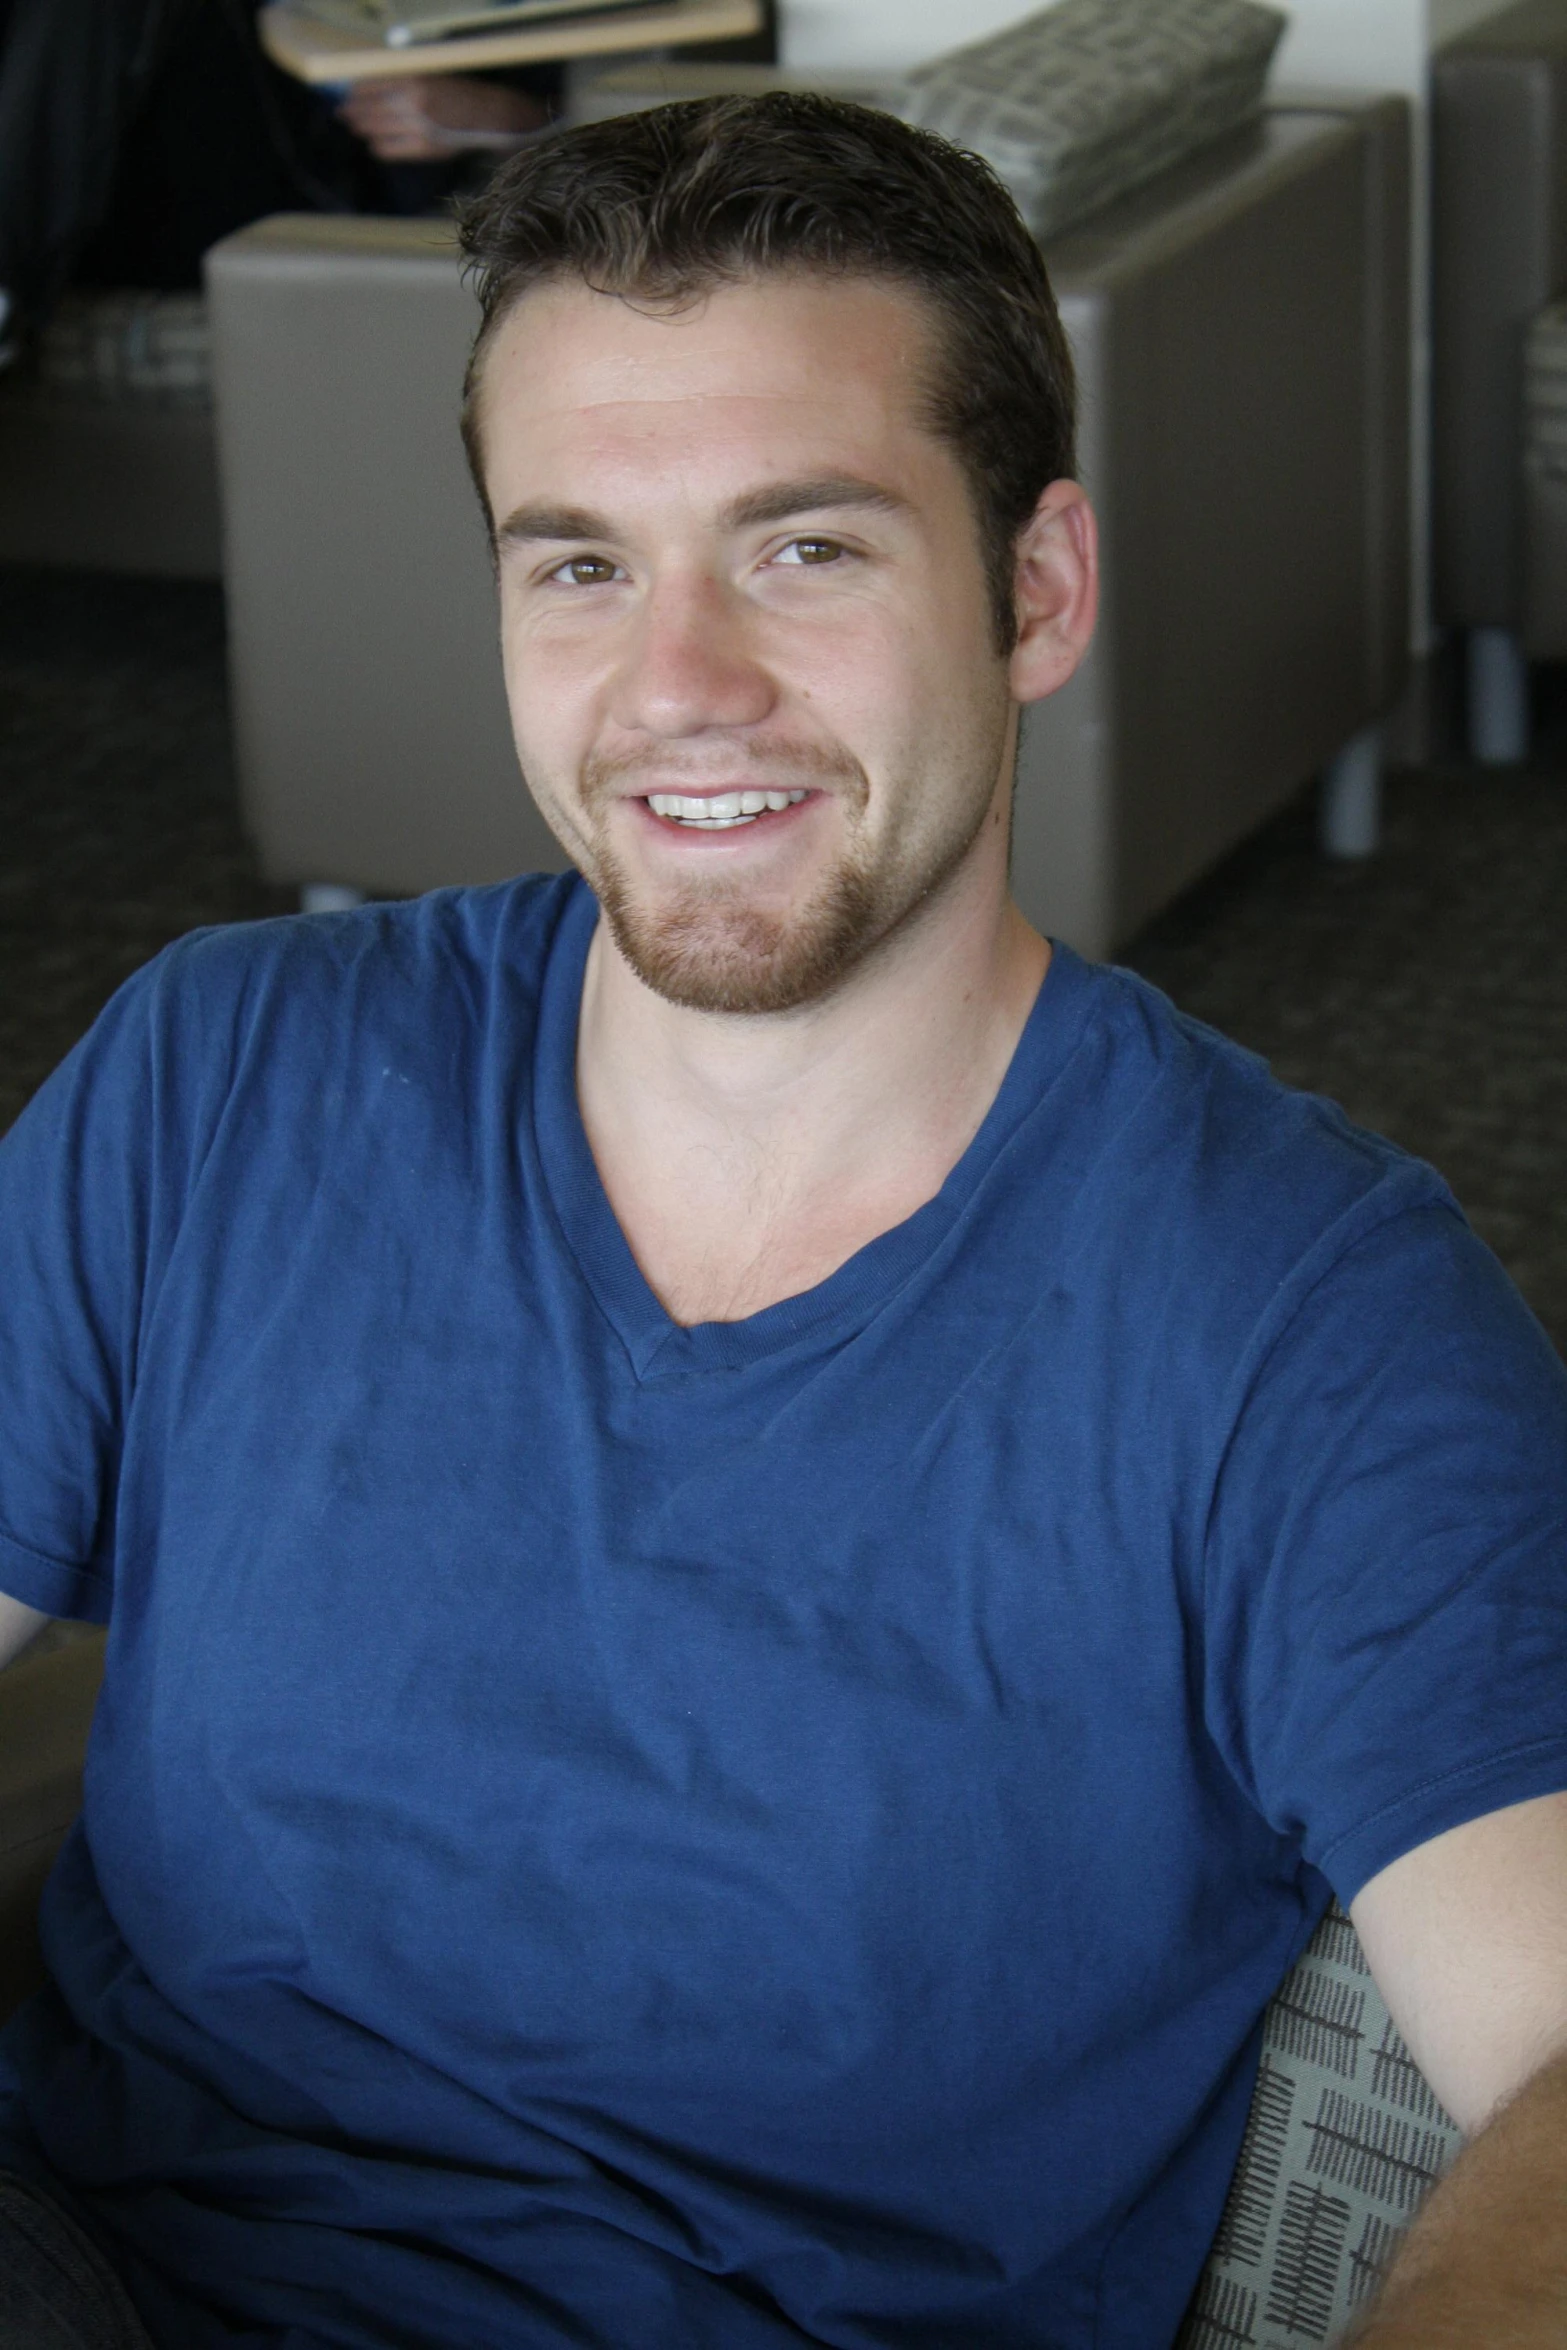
{"x": 747, "y": 1158}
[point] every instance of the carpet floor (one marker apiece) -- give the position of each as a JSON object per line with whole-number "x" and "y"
{"x": 1426, "y": 991}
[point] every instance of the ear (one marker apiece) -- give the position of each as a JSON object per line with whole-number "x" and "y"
{"x": 1057, "y": 591}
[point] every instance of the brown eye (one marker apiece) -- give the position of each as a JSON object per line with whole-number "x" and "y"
{"x": 586, "y": 570}
{"x": 816, "y": 551}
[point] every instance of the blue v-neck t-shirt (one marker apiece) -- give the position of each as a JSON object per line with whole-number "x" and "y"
{"x": 606, "y": 1834}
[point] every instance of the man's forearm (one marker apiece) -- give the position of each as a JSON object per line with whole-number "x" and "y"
{"x": 1485, "y": 2265}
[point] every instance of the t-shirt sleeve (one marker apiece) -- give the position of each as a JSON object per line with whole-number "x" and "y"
{"x": 1386, "y": 1600}
{"x": 77, "y": 1176}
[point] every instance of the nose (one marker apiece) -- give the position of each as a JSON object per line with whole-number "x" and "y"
{"x": 690, "y": 663}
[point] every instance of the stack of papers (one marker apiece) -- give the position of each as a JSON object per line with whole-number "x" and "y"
{"x": 398, "y": 23}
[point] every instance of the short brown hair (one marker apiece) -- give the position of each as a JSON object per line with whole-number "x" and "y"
{"x": 662, "y": 206}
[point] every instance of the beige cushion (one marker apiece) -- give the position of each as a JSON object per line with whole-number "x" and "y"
{"x": 1082, "y": 102}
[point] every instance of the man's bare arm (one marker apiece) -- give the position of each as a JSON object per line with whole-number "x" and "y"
{"x": 1467, "y": 1939}
{"x": 1485, "y": 2265}
{"x": 18, "y": 1624}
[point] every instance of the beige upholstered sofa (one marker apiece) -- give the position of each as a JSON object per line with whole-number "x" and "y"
{"x": 1240, "y": 327}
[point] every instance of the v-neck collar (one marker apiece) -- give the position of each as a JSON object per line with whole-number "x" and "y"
{"x": 658, "y": 1347}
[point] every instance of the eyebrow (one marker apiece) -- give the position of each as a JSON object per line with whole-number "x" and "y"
{"x": 832, "y": 492}
{"x": 827, "y": 493}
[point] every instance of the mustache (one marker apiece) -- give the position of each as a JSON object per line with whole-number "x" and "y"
{"x": 779, "y": 766}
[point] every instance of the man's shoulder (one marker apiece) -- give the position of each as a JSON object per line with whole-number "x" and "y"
{"x": 291, "y": 1023}
{"x": 1224, "y": 1179}
{"x": 436, "y": 966}
{"x": 1212, "y": 1106}
{"x": 467, "y": 937}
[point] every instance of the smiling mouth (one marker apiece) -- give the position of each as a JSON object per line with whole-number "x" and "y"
{"x": 720, "y": 811}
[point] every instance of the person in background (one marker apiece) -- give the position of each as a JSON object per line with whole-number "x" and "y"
{"x": 136, "y": 133}
{"x": 437, "y": 117}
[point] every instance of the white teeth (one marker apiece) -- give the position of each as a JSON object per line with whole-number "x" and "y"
{"x": 719, "y": 810}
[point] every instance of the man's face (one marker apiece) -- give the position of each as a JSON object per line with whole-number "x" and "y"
{"x": 747, "y": 638}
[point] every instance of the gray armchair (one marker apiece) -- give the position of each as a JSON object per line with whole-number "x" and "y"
{"x": 1499, "y": 253}
{"x": 1343, "y": 2141}
{"x": 1240, "y": 325}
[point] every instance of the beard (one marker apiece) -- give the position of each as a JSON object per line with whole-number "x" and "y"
{"x": 712, "y": 951}
{"x": 710, "y": 946}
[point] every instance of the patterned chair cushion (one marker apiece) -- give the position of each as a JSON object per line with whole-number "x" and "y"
{"x": 1344, "y": 2141}
{"x": 1079, "y": 103}
{"x": 141, "y": 348}
{"x": 1545, "y": 392}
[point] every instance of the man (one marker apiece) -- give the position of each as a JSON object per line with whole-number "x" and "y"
{"x": 765, "y": 1546}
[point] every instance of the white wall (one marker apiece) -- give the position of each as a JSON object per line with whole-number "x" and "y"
{"x": 1381, "y": 44}
{"x": 1377, "y": 44}
{"x": 844, "y": 35}
{"x": 1449, "y": 18}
